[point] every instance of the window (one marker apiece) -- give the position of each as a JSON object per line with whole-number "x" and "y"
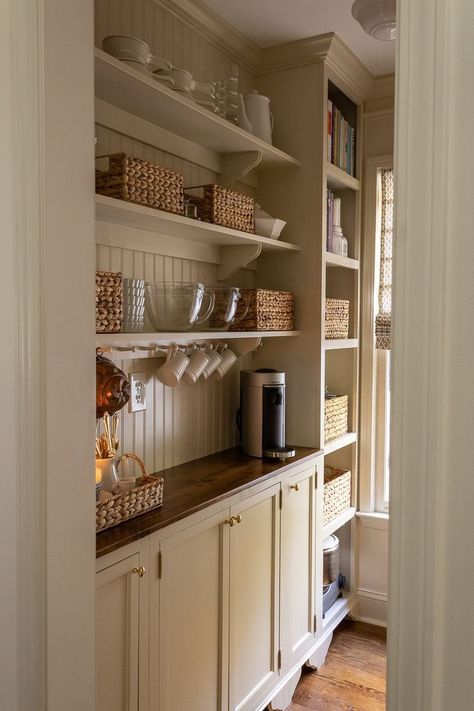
{"x": 383, "y": 297}
{"x": 376, "y": 287}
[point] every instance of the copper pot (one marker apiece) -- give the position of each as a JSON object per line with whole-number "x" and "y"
{"x": 112, "y": 390}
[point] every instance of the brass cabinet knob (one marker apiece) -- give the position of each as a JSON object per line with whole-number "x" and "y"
{"x": 238, "y": 518}
{"x": 139, "y": 571}
{"x": 230, "y": 521}
{"x": 295, "y": 487}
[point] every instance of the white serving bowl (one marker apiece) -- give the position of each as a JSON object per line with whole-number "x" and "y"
{"x": 127, "y": 47}
{"x": 269, "y": 227}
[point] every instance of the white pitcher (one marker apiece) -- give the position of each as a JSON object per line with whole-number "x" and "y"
{"x": 255, "y": 115}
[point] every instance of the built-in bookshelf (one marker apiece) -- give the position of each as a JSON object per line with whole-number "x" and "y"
{"x": 341, "y": 130}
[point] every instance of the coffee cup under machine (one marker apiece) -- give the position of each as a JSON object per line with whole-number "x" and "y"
{"x": 262, "y": 414}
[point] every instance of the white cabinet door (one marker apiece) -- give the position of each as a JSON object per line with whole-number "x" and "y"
{"x": 254, "y": 599}
{"x": 117, "y": 634}
{"x": 297, "y": 565}
{"x": 189, "y": 612}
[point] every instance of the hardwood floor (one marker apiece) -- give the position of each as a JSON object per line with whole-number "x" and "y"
{"x": 353, "y": 678}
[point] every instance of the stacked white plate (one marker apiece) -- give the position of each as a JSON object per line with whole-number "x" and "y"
{"x": 133, "y": 305}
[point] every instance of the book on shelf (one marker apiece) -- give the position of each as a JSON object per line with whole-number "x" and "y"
{"x": 341, "y": 140}
{"x": 329, "y": 221}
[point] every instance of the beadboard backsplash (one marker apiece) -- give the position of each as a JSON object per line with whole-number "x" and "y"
{"x": 190, "y": 421}
{"x": 169, "y": 37}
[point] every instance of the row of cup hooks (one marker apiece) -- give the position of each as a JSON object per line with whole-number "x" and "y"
{"x": 161, "y": 351}
{"x": 198, "y": 362}
{"x": 190, "y": 363}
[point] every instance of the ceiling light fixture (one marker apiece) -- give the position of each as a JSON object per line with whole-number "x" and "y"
{"x": 377, "y": 17}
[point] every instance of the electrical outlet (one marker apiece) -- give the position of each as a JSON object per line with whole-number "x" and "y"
{"x": 137, "y": 401}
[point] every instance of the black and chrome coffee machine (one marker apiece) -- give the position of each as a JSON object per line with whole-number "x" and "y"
{"x": 262, "y": 414}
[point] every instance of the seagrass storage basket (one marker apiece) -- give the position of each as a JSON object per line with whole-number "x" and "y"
{"x": 139, "y": 181}
{"x": 224, "y": 207}
{"x": 267, "y": 311}
{"x": 337, "y": 492}
{"x": 108, "y": 302}
{"x": 336, "y": 413}
{"x": 112, "y": 509}
{"x": 336, "y": 318}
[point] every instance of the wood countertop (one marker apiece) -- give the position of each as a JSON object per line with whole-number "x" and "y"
{"x": 193, "y": 486}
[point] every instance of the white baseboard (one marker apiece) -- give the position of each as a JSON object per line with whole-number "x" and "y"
{"x": 372, "y": 607}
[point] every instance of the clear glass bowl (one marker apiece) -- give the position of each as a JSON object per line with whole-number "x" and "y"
{"x": 176, "y": 306}
{"x": 226, "y": 309}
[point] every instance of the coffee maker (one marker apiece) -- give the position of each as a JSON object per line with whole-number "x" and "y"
{"x": 262, "y": 414}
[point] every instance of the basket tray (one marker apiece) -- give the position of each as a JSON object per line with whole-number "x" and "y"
{"x": 113, "y": 509}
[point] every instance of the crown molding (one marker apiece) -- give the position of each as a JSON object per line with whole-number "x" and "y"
{"x": 381, "y": 99}
{"x": 328, "y": 48}
{"x": 216, "y": 31}
{"x": 311, "y": 50}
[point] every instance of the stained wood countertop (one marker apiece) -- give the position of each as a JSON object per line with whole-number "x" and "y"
{"x": 193, "y": 486}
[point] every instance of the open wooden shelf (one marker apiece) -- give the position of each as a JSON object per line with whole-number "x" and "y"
{"x": 339, "y": 521}
{"x": 338, "y": 179}
{"x": 334, "y": 260}
{"x": 127, "y": 214}
{"x": 333, "y": 344}
{"x": 340, "y": 442}
{"x": 140, "y": 95}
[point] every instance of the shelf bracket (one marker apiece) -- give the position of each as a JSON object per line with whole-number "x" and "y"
{"x": 235, "y": 257}
{"x": 236, "y": 166}
{"x": 242, "y": 346}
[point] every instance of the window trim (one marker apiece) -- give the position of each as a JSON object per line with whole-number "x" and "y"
{"x": 368, "y": 470}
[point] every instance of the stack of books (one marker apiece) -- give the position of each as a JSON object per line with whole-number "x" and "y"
{"x": 341, "y": 140}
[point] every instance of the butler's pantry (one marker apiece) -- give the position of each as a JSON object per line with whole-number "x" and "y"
{"x": 243, "y": 228}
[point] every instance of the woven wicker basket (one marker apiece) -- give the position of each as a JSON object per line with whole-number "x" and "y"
{"x": 136, "y": 180}
{"x": 336, "y": 318}
{"x": 108, "y": 302}
{"x": 337, "y": 492}
{"x": 268, "y": 311}
{"x": 224, "y": 207}
{"x": 336, "y": 411}
{"x": 128, "y": 504}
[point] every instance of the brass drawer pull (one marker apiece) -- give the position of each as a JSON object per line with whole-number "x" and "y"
{"x": 139, "y": 571}
{"x": 238, "y": 518}
{"x": 230, "y": 521}
{"x": 295, "y": 487}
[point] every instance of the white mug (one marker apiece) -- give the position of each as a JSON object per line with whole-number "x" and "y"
{"x": 215, "y": 359}
{"x": 171, "y": 371}
{"x": 197, "y": 362}
{"x": 228, "y": 360}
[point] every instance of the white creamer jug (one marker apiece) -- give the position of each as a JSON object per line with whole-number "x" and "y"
{"x": 258, "y": 116}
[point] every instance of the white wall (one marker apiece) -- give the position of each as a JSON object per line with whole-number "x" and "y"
{"x": 47, "y": 641}
{"x": 431, "y": 620}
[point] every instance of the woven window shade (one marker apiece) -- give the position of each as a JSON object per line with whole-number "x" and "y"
{"x": 383, "y": 320}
